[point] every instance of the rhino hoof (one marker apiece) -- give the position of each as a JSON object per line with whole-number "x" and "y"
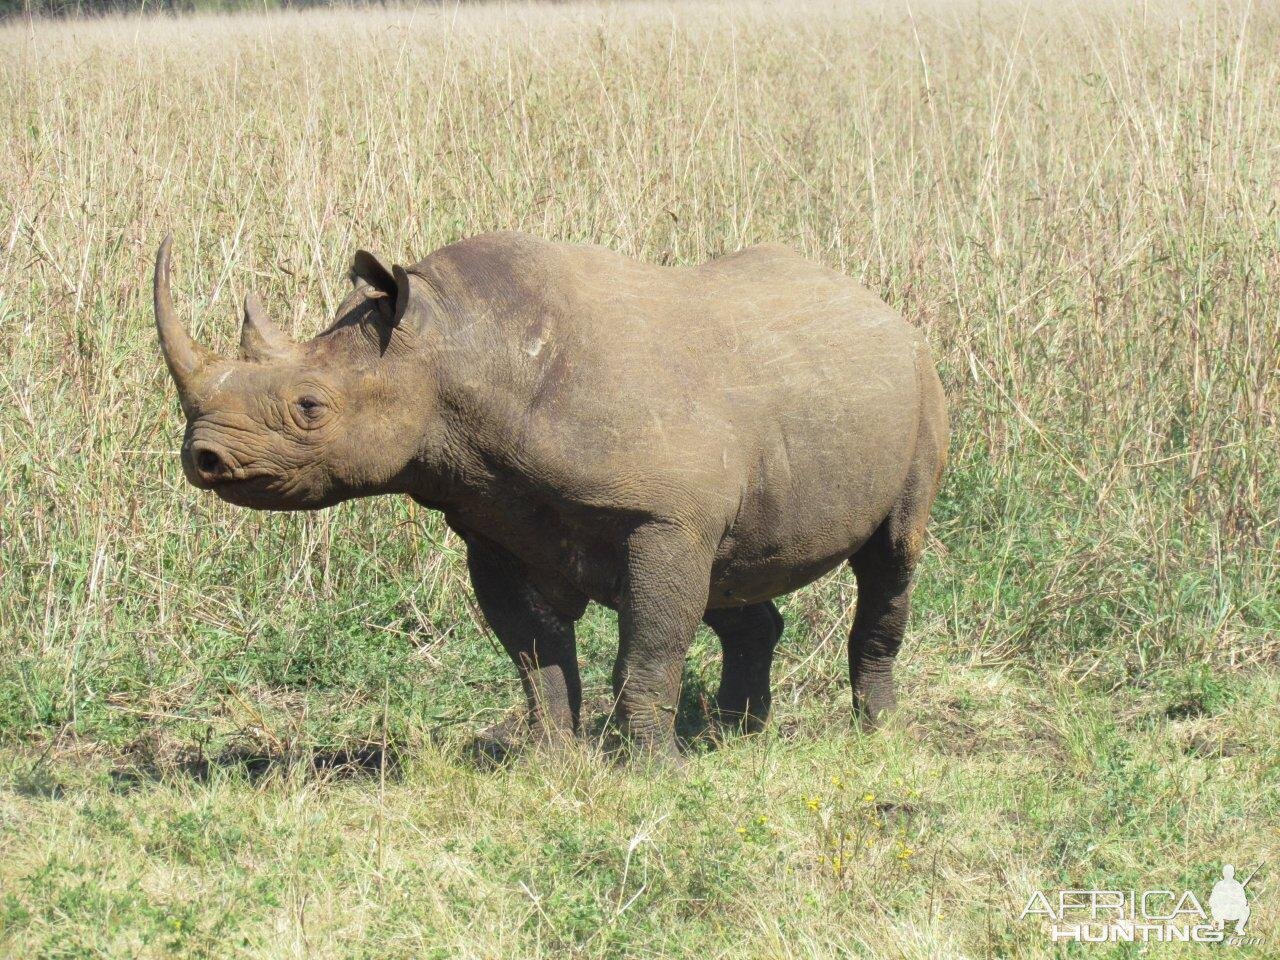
{"x": 506, "y": 739}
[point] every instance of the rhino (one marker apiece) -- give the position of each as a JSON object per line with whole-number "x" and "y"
{"x": 684, "y": 444}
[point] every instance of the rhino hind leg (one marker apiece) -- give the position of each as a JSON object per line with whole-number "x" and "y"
{"x": 748, "y": 636}
{"x": 884, "y": 577}
{"x": 884, "y": 565}
{"x": 539, "y": 638}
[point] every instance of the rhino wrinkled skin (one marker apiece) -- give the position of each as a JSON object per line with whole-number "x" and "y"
{"x": 682, "y": 444}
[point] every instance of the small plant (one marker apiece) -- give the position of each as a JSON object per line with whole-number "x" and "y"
{"x": 852, "y": 830}
{"x": 757, "y": 830}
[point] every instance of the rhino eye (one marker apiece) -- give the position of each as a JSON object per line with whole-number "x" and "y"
{"x": 309, "y": 409}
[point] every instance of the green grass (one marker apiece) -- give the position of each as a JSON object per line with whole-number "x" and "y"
{"x": 235, "y": 734}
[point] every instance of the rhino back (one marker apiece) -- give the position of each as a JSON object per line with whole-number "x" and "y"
{"x": 760, "y": 388}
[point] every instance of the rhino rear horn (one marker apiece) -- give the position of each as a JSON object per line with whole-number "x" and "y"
{"x": 260, "y": 339}
{"x": 185, "y": 358}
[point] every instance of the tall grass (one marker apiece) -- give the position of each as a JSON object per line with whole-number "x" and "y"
{"x": 1078, "y": 202}
{"x": 1079, "y": 206}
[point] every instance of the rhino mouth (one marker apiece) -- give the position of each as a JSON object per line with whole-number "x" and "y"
{"x": 213, "y": 467}
{"x": 260, "y": 490}
{"x": 237, "y": 490}
{"x": 238, "y": 485}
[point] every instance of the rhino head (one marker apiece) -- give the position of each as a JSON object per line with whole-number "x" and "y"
{"x": 300, "y": 426}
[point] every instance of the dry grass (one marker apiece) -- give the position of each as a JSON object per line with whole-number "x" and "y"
{"x": 1078, "y": 201}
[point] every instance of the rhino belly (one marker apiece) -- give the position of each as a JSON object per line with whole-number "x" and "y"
{"x": 809, "y": 506}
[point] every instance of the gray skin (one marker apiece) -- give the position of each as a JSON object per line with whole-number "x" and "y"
{"x": 681, "y": 444}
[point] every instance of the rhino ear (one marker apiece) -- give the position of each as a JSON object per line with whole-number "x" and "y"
{"x": 403, "y": 291}
{"x": 392, "y": 282}
{"x": 367, "y": 267}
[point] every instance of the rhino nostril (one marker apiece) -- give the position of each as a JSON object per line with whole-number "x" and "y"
{"x": 209, "y": 463}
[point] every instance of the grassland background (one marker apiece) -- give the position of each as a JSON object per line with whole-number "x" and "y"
{"x": 1078, "y": 201}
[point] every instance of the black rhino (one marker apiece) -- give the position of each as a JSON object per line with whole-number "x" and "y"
{"x": 683, "y": 444}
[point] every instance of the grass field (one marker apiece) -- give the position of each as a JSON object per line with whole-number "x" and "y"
{"x": 230, "y": 734}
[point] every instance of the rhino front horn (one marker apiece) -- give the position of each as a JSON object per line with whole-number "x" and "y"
{"x": 260, "y": 339}
{"x": 183, "y": 355}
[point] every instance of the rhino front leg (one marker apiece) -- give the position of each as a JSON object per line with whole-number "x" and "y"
{"x": 537, "y": 636}
{"x": 664, "y": 593}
